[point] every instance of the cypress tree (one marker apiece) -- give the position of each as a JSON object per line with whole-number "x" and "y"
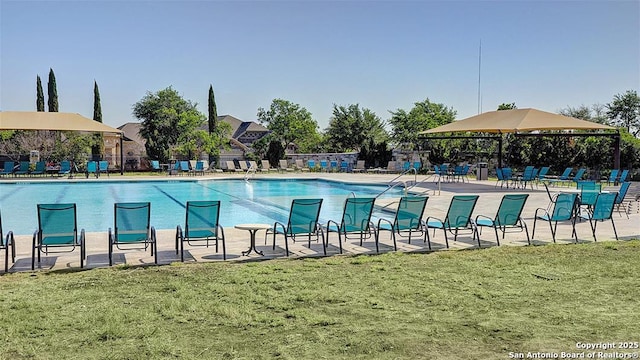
{"x": 40, "y": 95}
{"x": 213, "y": 118}
{"x": 96, "y": 150}
{"x": 53, "y": 92}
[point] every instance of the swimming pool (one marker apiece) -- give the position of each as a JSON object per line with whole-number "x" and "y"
{"x": 257, "y": 201}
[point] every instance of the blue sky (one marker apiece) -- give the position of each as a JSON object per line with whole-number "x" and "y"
{"x": 381, "y": 55}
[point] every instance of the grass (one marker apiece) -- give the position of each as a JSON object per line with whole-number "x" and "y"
{"x": 478, "y": 304}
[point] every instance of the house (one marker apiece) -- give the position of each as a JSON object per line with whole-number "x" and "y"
{"x": 243, "y": 135}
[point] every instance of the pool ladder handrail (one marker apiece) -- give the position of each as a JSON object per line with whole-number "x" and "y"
{"x": 393, "y": 183}
{"x": 250, "y": 169}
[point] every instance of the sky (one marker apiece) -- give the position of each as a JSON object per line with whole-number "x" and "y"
{"x": 382, "y": 55}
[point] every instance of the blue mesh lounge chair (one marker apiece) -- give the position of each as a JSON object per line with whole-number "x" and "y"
{"x": 303, "y": 222}
{"x": 458, "y": 217}
{"x": 500, "y": 177}
{"x": 344, "y": 166}
{"x": 57, "y": 228}
{"x": 564, "y": 209}
{"x": 155, "y": 165}
{"x": 92, "y": 169}
{"x": 613, "y": 177}
{"x": 624, "y": 188}
{"x": 333, "y": 165}
{"x": 507, "y": 175}
{"x": 6, "y": 244}
{"x": 578, "y": 176}
{"x": 542, "y": 175}
{"x": 407, "y": 222}
{"x": 132, "y": 229}
{"x": 417, "y": 165}
{"x": 40, "y": 169}
{"x": 184, "y": 167}
{"x": 623, "y": 176}
{"x": 508, "y": 217}
{"x": 602, "y": 210}
{"x": 356, "y": 219}
{"x": 65, "y": 168}
{"x": 324, "y": 165}
{"x": 201, "y": 226}
{"x": 23, "y": 169}
{"x": 8, "y": 168}
{"x": 199, "y": 169}
{"x": 311, "y": 164}
{"x": 103, "y": 167}
{"x": 564, "y": 177}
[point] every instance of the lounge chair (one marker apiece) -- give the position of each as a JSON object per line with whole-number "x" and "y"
{"x": 542, "y": 175}
{"x": 359, "y": 166}
{"x": 500, "y": 177}
{"x": 324, "y": 165}
{"x": 155, "y": 165}
{"x": 407, "y": 221}
{"x": 284, "y": 166}
{"x": 231, "y": 166}
{"x": 311, "y": 164}
{"x": 458, "y": 217}
{"x": 253, "y": 165}
{"x": 23, "y": 169}
{"x": 303, "y": 222}
{"x": 344, "y": 166}
{"x": 507, "y": 176}
{"x": 243, "y": 165}
{"x": 8, "y": 168}
{"x": 622, "y": 192}
{"x": 300, "y": 165}
{"x": 40, "y": 169}
{"x": 333, "y": 165}
{"x": 508, "y": 217}
{"x": 602, "y": 210}
{"x": 623, "y": 176}
{"x": 92, "y": 169}
{"x": 57, "y": 228}
{"x": 103, "y": 167}
{"x": 564, "y": 209}
{"x": 7, "y": 243}
{"x": 65, "y": 168}
{"x": 266, "y": 166}
{"x": 417, "y": 165}
{"x": 613, "y": 177}
{"x": 579, "y": 175}
{"x": 185, "y": 167}
{"x": 132, "y": 229}
{"x": 201, "y": 225}
{"x": 356, "y": 219}
{"x": 199, "y": 168}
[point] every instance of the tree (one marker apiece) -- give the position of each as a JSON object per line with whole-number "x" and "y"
{"x": 96, "y": 150}
{"x": 624, "y": 111}
{"x": 39, "y": 95}
{"x": 290, "y": 124}
{"x": 351, "y": 128}
{"x": 52, "y": 92}
{"x": 213, "y": 119}
{"x": 423, "y": 116}
{"x": 171, "y": 124}
{"x": 507, "y": 106}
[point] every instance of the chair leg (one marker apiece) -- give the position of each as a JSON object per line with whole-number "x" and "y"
{"x": 495, "y": 228}
{"x": 614, "y": 228}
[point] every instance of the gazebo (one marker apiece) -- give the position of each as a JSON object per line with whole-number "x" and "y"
{"x": 523, "y": 122}
{"x": 56, "y": 121}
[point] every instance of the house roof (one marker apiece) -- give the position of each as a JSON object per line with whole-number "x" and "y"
{"x": 132, "y": 132}
{"x": 239, "y": 127}
{"x": 59, "y": 121}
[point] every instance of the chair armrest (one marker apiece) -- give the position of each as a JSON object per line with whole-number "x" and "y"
{"x": 329, "y": 226}
{"x": 387, "y": 221}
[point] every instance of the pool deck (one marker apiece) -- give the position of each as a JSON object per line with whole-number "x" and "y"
{"x": 237, "y": 240}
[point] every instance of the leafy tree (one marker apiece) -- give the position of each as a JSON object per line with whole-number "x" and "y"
{"x": 39, "y": 95}
{"x": 624, "y": 111}
{"x": 507, "y": 106}
{"x": 423, "y": 116}
{"x": 53, "y": 92}
{"x": 172, "y": 124}
{"x": 97, "y": 148}
{"x": 351, "y": 128}
{"x": 290, "y": 124}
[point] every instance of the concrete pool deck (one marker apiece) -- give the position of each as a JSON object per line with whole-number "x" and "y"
{"x": 237, "y": 240}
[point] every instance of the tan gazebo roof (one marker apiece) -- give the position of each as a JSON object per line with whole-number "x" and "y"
{"x": 32, "y": 120}
{"x": 517, "y": 120}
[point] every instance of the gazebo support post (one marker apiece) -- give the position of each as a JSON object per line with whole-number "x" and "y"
{"x": 121, "y": 155}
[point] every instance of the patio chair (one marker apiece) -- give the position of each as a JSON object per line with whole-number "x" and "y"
{"x": 311, "y": 165}
{"x": 613, "y": 177}
{"x": 623, "y": 176}
{"x": 243, "y": 165}
{"x": 500, "y": 177}
{"x": 359, "y": 166}
{"x": 417, "y": 165}
{"x": 132, "y": 229}
{"x": 344, "y": 166}
{"x": 602, "y": 210}
{"x": 300, "y": 165}
{"x": 407, "y": 221}
{"x": 303, "y": 222}
{"x": 103, "y": 167}
{"x": 23, "y": 169}
{"x": 589, "y": 191}
{"x": 458, "y": 217}
{"x": 542, "y": 175}
{"x": 564, "y": 177}
{"x": 253, "y": 165}
{"x": 266, "y": 166}
{"x": 507, "y": 175}
{"x": 8, "y": 168}
{"x": 324, "y": 165}
{"x": 6, "y": 244}
{"x": 65, "y": 168}
{"x": 185, "y": 167}
{"x": 201, "y": 225}
{"x": 528, "y": 176}
{"x": 40, "y": 169}
{"x": 231, "y": 166}
{"x": 333, "y": 165}
{"x": 578, "y": 176}
{"x": 564, "y": 209}
{"x": 155, "y": 165}
{"x": 92, "y": 169}
{"x": 620, "y": 195}
{"x": 508, "y": 217}
{"x": 57, "y": 229}
{"x": 356, "y": 219}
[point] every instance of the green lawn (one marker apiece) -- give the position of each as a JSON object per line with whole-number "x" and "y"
{"x": 476, "y": 304}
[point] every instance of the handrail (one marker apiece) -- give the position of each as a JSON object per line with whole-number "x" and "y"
{"x": 393, "y": 185}
{"x": 250, "y": 169}
{"x": 424, "y": 181}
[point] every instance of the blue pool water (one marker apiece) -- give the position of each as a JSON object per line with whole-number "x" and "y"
{"x": 257, "y": 201}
